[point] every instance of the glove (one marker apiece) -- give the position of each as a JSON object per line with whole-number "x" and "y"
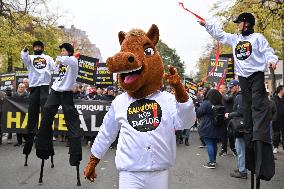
{"x": 25, "y": 49}
{"x": 90, "y": 171}
{"x": 174, "y": 81}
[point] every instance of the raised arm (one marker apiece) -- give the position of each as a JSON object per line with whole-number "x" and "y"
{"x": 25, "y": 57}
{"x": 218, "y": 34}
{"x": 67, "y": 60}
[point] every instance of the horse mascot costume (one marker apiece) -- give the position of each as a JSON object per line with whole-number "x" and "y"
{"x": 145, "y": 117}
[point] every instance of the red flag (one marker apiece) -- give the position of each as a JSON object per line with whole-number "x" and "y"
{"x": 196, "y": 15}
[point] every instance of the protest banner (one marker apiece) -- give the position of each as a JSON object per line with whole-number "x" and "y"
{"x": 7, "y": 80}
{"x": 87, "y": 69}
{"x": 219, "y": 71}
{"x": 192, "y": 89}
{"x": 103, "y": 77}
{"x": 91, "y": 114}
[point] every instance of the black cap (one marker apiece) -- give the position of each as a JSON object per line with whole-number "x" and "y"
{"x": 68, "y": 47}
{"x": 245, "y": 17}
{"x": 38, "y": 43}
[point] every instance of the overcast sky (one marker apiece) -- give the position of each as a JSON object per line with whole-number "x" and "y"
{"x": 103, "y": 19}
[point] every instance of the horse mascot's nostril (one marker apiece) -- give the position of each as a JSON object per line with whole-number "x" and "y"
{"x": 145, "y": 116}
{"x": 131, "y": 59}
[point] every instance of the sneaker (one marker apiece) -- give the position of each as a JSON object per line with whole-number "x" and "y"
{"x": 89, "y": 144}
{"x": 275, "y": 150}
{"x": 9, "y": 141}
{"x": 235, "y": 153}
{"x": 202, "y": 146}
{"x": 239, "y": 175}
{"x": 210, "y": 165}
{"x": 223, "y": 153}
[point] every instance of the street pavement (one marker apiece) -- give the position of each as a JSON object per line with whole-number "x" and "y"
{"x": 188, "y": 172}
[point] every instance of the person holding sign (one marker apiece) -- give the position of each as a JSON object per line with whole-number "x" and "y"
{"x": 61, "y": 94}
{"x": 252, "y": 56}
{"x": 39, "y": 68}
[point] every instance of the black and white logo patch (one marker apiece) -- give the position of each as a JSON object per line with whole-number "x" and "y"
{"x": 144, "y": 115}
{"x": 243, "y": 50}
{"x": 62, "y": 72}
{"x": 39, "y": 63}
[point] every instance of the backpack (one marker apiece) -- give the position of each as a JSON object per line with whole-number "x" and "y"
{"x": 218, "y": 115}
{"x": 236, "y": 127}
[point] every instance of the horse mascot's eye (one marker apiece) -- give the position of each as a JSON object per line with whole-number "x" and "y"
{"x": 148, "y": 51}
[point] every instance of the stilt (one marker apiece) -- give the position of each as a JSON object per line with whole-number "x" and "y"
{"x": 41, "y": 172}
{"x": 52, "y": 164}
{"x": 257, "y": 183}
{"x": 78, "y": 176}
{"x": 26, "y": 160}
{"x": 252, "y": 181}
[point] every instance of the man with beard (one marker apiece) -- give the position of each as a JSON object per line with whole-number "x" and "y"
{"x": 39, "y": 68}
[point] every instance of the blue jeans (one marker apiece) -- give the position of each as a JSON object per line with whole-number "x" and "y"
{"x": 211, "y": 144}
{"x": 241, "y": 151}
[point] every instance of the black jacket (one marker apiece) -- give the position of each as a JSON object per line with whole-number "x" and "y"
{"x": 228, "y": 102}
{"x": 238, "y": 109}
{"x": 280, "y": 108}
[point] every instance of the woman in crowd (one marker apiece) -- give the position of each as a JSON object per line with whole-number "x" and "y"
{"x": 207, "y": 131}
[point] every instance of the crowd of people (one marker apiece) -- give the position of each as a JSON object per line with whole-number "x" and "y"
{"x": 80, "y": 91}
{"x": 228, "y": 95}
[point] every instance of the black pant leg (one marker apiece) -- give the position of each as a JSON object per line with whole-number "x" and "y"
{"x": 260, "y": 110}
{"x": 224, "y": 139}
{"x": 247, "y": 102}
{"x": 44, "y": 92}
{"x": 232, "y": 140}
{"x": 44, "y": 145}
{"x": 19, "y": 138}
{"x": 73, "y": 124}
{"x": 282, "y": 133}
{"x": 33, "y": 110}
{"x": 276, "y": 134}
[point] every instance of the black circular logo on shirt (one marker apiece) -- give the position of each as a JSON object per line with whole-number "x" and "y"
{"x": 243, "y": 50}
{"x": 144, "y": 115}
{"x": 39, "y": 63}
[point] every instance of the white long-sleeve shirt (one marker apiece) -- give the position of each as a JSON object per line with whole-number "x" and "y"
{"x": 39, "y": 68}
{"x": 252, "y": 53}
{"x": 147, "y": 126}
{"x": 67, "y": 74}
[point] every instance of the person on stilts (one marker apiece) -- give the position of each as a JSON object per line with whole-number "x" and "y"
{"x": 252, "y": 56}
{"x": 61, "y": 94}
{"x": 39, "y": 68}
